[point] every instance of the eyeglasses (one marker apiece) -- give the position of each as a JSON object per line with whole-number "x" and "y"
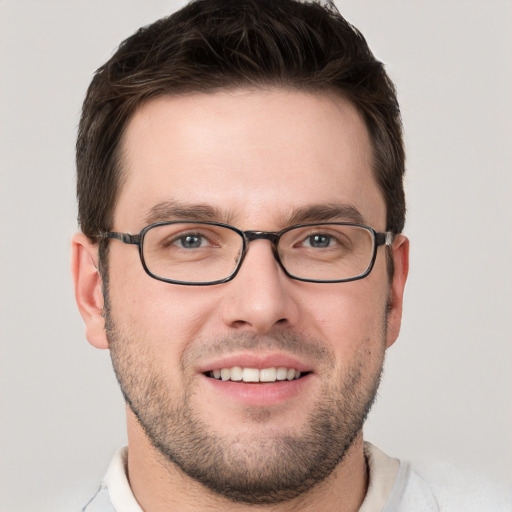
{"x": 205, "y": 253}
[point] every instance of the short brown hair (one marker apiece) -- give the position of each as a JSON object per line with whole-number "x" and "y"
{"x": 212, "y": 45}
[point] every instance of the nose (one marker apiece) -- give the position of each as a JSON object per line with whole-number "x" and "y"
{"x": 260, "y": 297}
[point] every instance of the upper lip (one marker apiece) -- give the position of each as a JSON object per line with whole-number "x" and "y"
{"x": 255, "y": 360}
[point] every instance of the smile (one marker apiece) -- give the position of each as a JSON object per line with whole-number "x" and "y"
{"x": 237, "y": 374}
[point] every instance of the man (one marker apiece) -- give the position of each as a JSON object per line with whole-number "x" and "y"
{"x": 240, "y": 170}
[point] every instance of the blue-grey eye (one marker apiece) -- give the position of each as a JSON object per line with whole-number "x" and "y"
{"x": 190, "y": 241}
{"x": 318, "y": 241}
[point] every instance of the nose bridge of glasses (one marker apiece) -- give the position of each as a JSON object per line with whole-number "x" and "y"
{"x": 271, "y": 236}
{"x": 262, "y": 235}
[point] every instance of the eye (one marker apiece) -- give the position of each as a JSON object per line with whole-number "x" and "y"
{"x": 319, "y": 241}
{"x": 191, "y": 241}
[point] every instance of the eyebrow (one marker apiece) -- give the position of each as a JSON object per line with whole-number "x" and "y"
{"x": 324, "y": 213}
{"x": 174, "y": 210}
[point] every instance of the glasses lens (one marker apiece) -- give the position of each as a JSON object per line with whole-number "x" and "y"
{"x": 192, "y": 252}
{"x": 327, "y": 252}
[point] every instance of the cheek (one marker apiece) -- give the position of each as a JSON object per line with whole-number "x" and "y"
{"x": 351, "y": 318}
{"x": 163, "y": 316}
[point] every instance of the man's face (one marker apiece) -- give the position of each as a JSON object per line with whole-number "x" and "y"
{"x": 258, "y": 160}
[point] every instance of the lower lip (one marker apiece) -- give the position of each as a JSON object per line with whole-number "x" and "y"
{"x": 262, "y": 394}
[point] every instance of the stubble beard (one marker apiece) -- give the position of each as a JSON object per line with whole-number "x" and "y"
{"x": 259, "y": 470}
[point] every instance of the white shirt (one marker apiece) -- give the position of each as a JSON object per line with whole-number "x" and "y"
{"x": 394, "y": 486}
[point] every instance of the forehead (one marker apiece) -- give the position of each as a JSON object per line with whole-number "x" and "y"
{"x": 251, "y": 156}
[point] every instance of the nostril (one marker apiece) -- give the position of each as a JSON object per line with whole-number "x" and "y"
{"x": 239, "y": 324}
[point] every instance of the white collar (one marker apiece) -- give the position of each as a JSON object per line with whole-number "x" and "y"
{"x": 116, "y": 481}
{"x": 382, "y": 473}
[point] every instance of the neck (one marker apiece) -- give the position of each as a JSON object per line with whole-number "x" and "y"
{"x": 159, "y": 485}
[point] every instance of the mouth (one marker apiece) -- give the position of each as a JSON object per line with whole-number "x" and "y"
{"x": 256, "y": 375}
{"x": 258, "y": 380}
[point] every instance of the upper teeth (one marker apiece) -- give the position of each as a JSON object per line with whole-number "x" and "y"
{"x": 237, "y": 373}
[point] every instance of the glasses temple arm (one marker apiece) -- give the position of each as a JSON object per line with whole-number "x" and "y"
{"x": 386, "y": 238}
{"x": 123, "y": 237}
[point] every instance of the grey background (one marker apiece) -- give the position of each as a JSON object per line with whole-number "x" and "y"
{"x": 446, "y": 392}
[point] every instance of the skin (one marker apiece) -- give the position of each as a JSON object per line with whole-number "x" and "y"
{"x": 255, "y": 156}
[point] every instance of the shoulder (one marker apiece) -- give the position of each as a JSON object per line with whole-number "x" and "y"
{"x": 100, "y": 502}
{"x": 439, "y": 486}
{"x": 114, "y": 492}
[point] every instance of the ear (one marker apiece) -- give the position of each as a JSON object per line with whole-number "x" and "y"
{"x": 88, "y": 288}
{"x": 400, "y": 250}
